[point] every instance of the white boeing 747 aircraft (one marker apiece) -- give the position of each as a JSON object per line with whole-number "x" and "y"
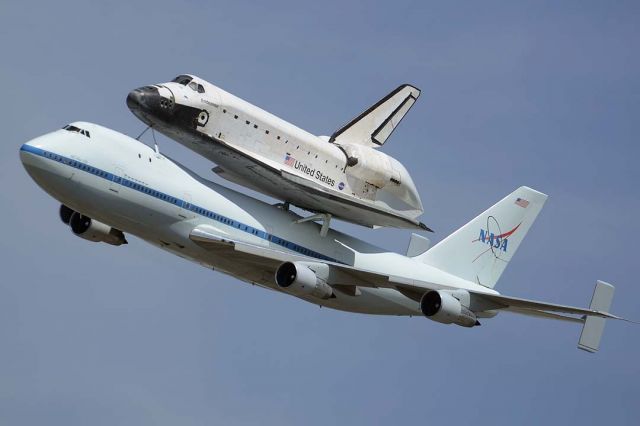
{"x": 110, "y": 184}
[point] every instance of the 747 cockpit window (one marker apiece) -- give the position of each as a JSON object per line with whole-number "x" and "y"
{"x": 182, "y": 79}
{"x": 75, "y": 129}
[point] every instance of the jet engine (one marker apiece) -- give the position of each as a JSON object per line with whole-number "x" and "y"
{"x": 442, "y": 307}
{"x": 65, "y": 214}
{"x": 91, "y": 229}
{"x": 298, "y": 279}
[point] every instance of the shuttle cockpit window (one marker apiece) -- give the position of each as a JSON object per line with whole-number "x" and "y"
{"x": 182, "y": 79}
{"x": 75, "y": 129}
{"x": 196, "y": 87}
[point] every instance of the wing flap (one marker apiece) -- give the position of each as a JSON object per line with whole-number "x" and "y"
{"x": 547, "y": 315}
{"x": 523, "y": 305}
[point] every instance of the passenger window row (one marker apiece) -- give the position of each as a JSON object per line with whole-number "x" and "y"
{"x": 76, "y": 164}
{"x": 261, "y": 234}
{"x": 149, "y": 191}
{"x": 199, "y": 210}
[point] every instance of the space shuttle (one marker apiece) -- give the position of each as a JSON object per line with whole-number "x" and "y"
{"x": 344, "y": 175}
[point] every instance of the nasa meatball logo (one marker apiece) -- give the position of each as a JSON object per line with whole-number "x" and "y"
{"x": 203, "y": 118}
{"x": 493, "y": 237}
{"x": 341, "y": 186}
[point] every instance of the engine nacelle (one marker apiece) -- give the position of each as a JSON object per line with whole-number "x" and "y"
{"x": 65, "y": 214}
{"x": 370, "y": 165}
{"x": 443, "y": 307}
{"x": 297, "y": 278}
{"x": 92, "y": 230}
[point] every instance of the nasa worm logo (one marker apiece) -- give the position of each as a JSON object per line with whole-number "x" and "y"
{"x": 493, "y": 237}
{"x": 203, "y": 118}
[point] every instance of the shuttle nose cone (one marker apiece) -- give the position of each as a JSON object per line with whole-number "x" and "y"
{"x": 148, "y": 105}
{"x": 133, "y": 99}
{"x": 136, "y": 98}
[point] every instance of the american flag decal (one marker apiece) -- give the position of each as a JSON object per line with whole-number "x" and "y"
{"x": 289, "y": 160}
{"x": 522, "y": 202}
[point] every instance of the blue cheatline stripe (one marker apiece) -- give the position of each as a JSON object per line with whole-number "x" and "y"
{"x": 120, "y": 180}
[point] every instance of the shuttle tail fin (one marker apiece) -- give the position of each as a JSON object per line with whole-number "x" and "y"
{"x": 373, "y": 127}
{"x": 481, "y": 250}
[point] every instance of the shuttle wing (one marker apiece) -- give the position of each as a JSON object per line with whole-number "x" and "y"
{"x": 373, "y": 127}
{"x": 310, "y": 196}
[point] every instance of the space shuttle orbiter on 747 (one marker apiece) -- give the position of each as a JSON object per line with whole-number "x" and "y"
{"x": 343, "y": 175}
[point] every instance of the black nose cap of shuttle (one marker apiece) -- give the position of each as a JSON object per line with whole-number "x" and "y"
{"x": 142, "y": 98}
{"x": 148, "y": 105}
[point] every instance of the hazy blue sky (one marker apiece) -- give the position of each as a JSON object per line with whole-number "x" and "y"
{"x": 538, "y": 93}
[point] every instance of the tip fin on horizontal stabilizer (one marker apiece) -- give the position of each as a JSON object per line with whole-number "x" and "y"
{"x": 593, "y": 325}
